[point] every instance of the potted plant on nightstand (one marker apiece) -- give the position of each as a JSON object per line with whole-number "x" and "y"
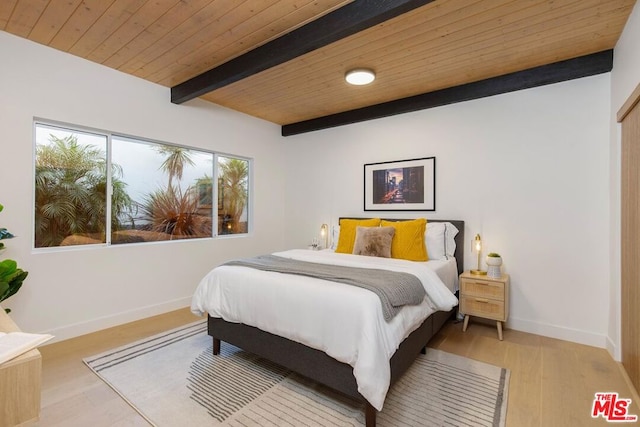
{"x": 11, "y": 277}
{"x": 494, "y": 261}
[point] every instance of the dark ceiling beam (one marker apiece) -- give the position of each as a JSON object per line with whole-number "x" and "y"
{"x": 584, "y": 66}
{"x": 343, "y": 22}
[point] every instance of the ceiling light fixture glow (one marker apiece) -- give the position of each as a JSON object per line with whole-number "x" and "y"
{"x": 360, "y": 76}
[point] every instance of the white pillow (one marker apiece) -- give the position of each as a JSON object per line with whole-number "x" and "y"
{"x": 451, "y": 233}
{"x": 440, "y": 239}
{"x": 335, "y": 235}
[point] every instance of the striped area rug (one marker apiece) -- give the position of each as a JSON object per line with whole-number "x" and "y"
{"x": 173, "y": 379}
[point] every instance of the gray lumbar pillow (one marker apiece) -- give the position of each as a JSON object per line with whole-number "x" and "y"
{"x": 373, "y": 241}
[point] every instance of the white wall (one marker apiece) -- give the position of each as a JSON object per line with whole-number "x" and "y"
{"x": 529, "y": 171}
{"x": 73, "y": 292}
{"x": 625, "y": 76}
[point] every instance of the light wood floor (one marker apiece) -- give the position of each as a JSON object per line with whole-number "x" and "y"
{"x": 552, "y": 382}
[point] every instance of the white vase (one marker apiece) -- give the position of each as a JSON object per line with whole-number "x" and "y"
{"x": 493, "y": 264}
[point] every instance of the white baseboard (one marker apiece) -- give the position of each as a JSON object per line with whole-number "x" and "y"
{"x": 558, "y": 332}
{"x": 614, "y": 350}
{"x": 93, "y": 325}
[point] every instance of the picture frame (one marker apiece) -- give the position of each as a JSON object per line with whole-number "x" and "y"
{"x": 401, "y": 185}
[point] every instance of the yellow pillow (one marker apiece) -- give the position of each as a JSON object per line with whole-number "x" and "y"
{"x": 347, "y": 236}
{"x": 408, "y": 241}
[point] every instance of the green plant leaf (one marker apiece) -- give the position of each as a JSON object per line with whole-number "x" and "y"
{"x": 12, "y": 284}
{"x": 11, "y": 277}
{"x": 7, "y": 267}
{"x": 15, "y": 284}
{"x": 4, "y": 288}
{"x": 4, "y": 234}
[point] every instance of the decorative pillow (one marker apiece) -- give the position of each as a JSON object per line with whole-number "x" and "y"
{"x": 408, "y": 242}
{"x": 348, "y": 232}
{"x": 374, "y": 241}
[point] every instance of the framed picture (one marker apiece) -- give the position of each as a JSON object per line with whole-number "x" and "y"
{"x": 403, "y": 185}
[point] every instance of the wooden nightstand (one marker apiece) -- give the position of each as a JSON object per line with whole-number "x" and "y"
{"x": 486, "y": 297}
{"x": 20, "y": 380}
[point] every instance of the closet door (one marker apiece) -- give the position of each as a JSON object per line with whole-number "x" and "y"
{"x": 629, "y": 115}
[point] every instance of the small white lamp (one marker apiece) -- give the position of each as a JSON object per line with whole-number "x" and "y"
{"x": 324, "y": 235}
{"x": 476, "y": 246}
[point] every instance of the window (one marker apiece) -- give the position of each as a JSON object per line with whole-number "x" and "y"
{"x": 157, "y": 191}
{"x": 70, "y": 187}
{"x": 161, "y": 183}
{"x": 233, "y": 195}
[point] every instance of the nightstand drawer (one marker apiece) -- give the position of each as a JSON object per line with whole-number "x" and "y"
{"x": 482, "y": 307}
{"x": 482, "y": 288}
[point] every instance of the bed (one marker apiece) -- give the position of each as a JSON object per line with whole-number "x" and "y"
{"x": 361, "y": 370}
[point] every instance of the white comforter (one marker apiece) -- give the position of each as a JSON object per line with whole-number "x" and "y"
{"x": 346, "y": 322}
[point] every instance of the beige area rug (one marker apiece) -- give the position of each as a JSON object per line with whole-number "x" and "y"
{"x": 173, "y": 379}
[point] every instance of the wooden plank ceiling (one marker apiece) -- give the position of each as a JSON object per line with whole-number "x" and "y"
{"x": 438, "y": 45}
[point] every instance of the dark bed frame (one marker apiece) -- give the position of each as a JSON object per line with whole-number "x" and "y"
{"x": 317, "y": 365}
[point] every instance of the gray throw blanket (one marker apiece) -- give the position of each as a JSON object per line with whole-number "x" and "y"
{"x": 395, "y": 289}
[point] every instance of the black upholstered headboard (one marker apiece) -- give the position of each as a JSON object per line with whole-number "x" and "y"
{"x": 459, "y": 252}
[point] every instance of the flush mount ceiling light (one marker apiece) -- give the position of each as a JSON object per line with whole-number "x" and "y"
{"x": 360, "y": 76}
